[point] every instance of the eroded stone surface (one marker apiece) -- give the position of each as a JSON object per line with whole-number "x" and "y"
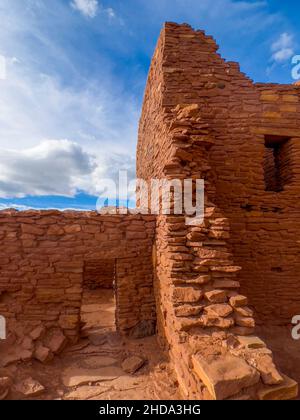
{"x": 132, "y": 364}
{"x": 224, "y": 376}
{"x": 268, "y": 371}
{"x": 57, "y": 342}
{"x": 238, "y": 301}
{"x": 87, "y": 392}
{"x": 216, "y": 296}
{"x": 29, "y": 388}
{"x": 75, "y": 376}
{"x": 43, "y": 354}
{"x": 219, "y": 310}
{"x": 187, "y": 295}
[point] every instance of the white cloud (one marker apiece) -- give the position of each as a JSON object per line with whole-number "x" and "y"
{"x": 111, "y": 13}
{"x": 58, "y": 167}
{"x": 88, "y": 8}
{"x": 18, "y": 207}
{"x": 283, "y": 48}
{"x": 92, "y": 111}
{"x": 52, "y": 167}
{"x": 112, "y": 168}
{"x": 36, "y": 106}
{"x": 82, "y": 97}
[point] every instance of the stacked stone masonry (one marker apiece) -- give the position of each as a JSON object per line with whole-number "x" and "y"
{"x": 44, "y": 255}
{"x": 204, "y": 119}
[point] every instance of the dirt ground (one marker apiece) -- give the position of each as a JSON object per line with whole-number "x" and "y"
{"x": 92, "y": 369}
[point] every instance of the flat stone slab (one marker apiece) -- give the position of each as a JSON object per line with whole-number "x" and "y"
{"x": 86, "y": 392}
{"x": 75, "y": 376}
{"x": 95, "y": 362}
{"x": 220, "y": 310}
{"x": 224, "y": 376}
{"x": 133, "y": 364}
{"x": 127, "y": 382}
{"x": 288, "y": 390}
{"x": 251, "y": 342}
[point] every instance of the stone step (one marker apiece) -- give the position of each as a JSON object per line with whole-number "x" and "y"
{"x": 224, "y": 376}
{"x": 288, "y": 390}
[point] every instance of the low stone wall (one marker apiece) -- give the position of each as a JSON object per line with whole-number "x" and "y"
{"x": 42, "y": 260}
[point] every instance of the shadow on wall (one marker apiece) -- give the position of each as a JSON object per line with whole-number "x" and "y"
{"x": 99, "y": 274}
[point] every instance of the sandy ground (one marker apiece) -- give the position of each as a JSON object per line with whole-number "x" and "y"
{"x": 92, "y": 369}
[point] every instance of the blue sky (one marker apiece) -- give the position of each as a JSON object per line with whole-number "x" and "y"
{"x": 75, "y": 72}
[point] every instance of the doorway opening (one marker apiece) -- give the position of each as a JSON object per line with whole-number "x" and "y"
{"x": 98, "y": 310}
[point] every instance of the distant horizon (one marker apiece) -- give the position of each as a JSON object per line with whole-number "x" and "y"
{"x": 81, "y": 202}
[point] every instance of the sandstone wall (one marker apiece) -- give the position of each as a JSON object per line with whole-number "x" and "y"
{"x": 264, "y": 224}
{"x": 43, "y": 255}
{"x": 202, "y": 318}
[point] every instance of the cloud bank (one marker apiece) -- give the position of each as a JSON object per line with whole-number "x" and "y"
{"x": 58, "y": 167}
{"x": 51, "y": 168}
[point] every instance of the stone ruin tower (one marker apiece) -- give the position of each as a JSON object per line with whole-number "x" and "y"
{"x": 203, "y": 287}
{"x": 203, "y": 118}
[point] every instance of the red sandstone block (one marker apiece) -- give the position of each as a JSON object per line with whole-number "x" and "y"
{"x": 57, "y": 342}
{"x": 75, "y": 228}
{"x": 69, "y": 321}
{"x": 55, "y": 230}
{"x": 226, "y": 284}
{"x": 136, "y": 235}
{"x": 69, "y": 267}
{"x": 31, "y": 229}
{"x": 245, "y": 321}
{"x": 43, "y": 354}
{"x": 210, "y": 321}
{"x": 218, "y": 310}
{"x": 216, "y": 296}
{"x": 238, "y": 301}
{"x": 187, "y": 295}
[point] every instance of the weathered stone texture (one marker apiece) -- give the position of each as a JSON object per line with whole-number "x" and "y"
{"x": 204, "y": 119}
{"x": 44, "y": 258}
